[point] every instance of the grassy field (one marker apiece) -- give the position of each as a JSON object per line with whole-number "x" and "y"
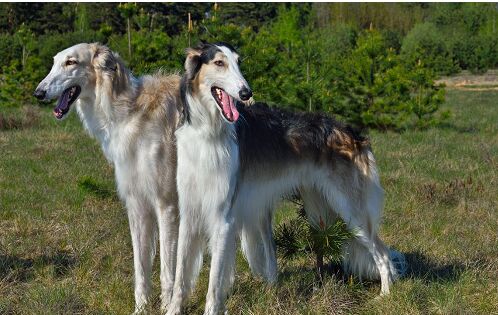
{"x": 65, "y": 246}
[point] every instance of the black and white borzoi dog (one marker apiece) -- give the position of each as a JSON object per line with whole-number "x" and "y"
{"x": 231, "y": 171}
{"x": 134, "y": 120}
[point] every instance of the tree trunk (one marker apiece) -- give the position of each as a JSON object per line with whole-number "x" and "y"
{"x": 23, "y": 61}
{"x": 151, "y": 28}
{"x": 129, "y": 39}
{"x": 189, "y": 28}
{"x": 308, "y": 81}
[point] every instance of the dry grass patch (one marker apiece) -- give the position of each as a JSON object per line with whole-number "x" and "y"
{"x": 27, "y": 118}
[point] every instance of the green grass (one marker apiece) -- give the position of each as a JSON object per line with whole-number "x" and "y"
{"x": 65, "y": 246}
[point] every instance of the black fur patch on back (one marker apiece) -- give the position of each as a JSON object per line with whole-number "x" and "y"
{"x": 270, "y": 135}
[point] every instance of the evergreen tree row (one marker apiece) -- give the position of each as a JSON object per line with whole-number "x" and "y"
{"x": 372, "y": 64}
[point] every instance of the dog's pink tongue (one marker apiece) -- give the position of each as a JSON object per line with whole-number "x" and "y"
{"x": 229, "y": 108}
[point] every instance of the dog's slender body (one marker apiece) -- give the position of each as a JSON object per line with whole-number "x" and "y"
{"x": 134, "y": 120}
{"x": 330, "y": 166}
{"x": 230, "y": 174}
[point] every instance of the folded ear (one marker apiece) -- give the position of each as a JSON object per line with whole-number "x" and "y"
{"x": 193, "y": 62}
{"x": 103, "y": 58}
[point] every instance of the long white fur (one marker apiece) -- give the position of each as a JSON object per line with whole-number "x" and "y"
{"x": 131, "y": 140}
{"x": 216, "y": 201}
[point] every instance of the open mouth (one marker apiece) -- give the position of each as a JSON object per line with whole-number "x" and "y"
{"x": 226, "y": 104}
{"x": 65, "y": 100}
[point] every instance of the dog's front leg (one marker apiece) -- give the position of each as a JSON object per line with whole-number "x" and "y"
{"x": 142, "y": 228}
{"x": 168, "y": 221}
{"x": 222, "y": 271}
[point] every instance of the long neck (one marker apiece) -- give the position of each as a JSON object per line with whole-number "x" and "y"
{"x": 111, "y": 105}
{"x": 201, "y": 113}
{"x": 116, "y": 93}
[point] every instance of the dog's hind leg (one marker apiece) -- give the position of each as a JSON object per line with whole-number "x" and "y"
{"x": 269, "y": 247}
{"x": 167, "y": 217}
{"x": 143, "y": 230}
{"x": 379, "y": 254}
{"x": 357, "y": 260}
{"x": 356, "y": 210}
{"x": 258, "y": 246}
{"x": 252, "y": 247}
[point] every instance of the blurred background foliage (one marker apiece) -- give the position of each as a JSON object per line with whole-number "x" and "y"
{"x": 371, "y": 64}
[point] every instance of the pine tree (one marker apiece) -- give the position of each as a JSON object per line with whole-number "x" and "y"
{"x": 323, "y": 240}
{"x": 128, "y": 11}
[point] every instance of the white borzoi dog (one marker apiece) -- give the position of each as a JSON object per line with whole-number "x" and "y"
{"x": 134, "y": 120}
{"x": 231, "y": 171}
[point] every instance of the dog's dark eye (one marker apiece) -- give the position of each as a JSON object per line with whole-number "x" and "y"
{"x": 71, "y": 62}
{"x": 219, "y": 63}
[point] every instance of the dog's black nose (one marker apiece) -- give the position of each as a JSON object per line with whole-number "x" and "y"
{"x": 245, "y": 94}
{"x": 40, "y": 94}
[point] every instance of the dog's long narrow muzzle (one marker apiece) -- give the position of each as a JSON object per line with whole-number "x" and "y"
{"x": 245, "y": 94}
{"x": 40, "y": 94}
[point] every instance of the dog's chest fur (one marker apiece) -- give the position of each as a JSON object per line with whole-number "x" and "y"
{"x": 141, "y": 157}
{"x": 207, "y": 168}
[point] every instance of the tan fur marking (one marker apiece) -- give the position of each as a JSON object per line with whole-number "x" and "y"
{"x": 220, "y": 55}
{"x": 158, "y": 88}
{"x": 353, "y": 150}
{"x": 295, "y": 144}
{"x": 189, "y": 64}
{"x": 345, "y": 145}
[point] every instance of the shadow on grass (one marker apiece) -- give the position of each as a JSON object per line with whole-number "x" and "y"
{"x": 91, "y": 186}
{"x": 28, "y": 117}
{"x": 422, "y": 267}
{"x": 419, "y": 267}
{"x": 16, "y": 269}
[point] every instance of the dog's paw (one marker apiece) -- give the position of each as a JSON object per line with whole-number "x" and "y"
{"x": 138, "y": 312}
{"x": 174, "y": 309}
{"x": 165, "y": 302}
{"x": 212, "y": 309}
{"x": 140, "y": 309}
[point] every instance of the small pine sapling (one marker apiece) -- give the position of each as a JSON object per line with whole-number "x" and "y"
{"x": 299, "y": 237}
